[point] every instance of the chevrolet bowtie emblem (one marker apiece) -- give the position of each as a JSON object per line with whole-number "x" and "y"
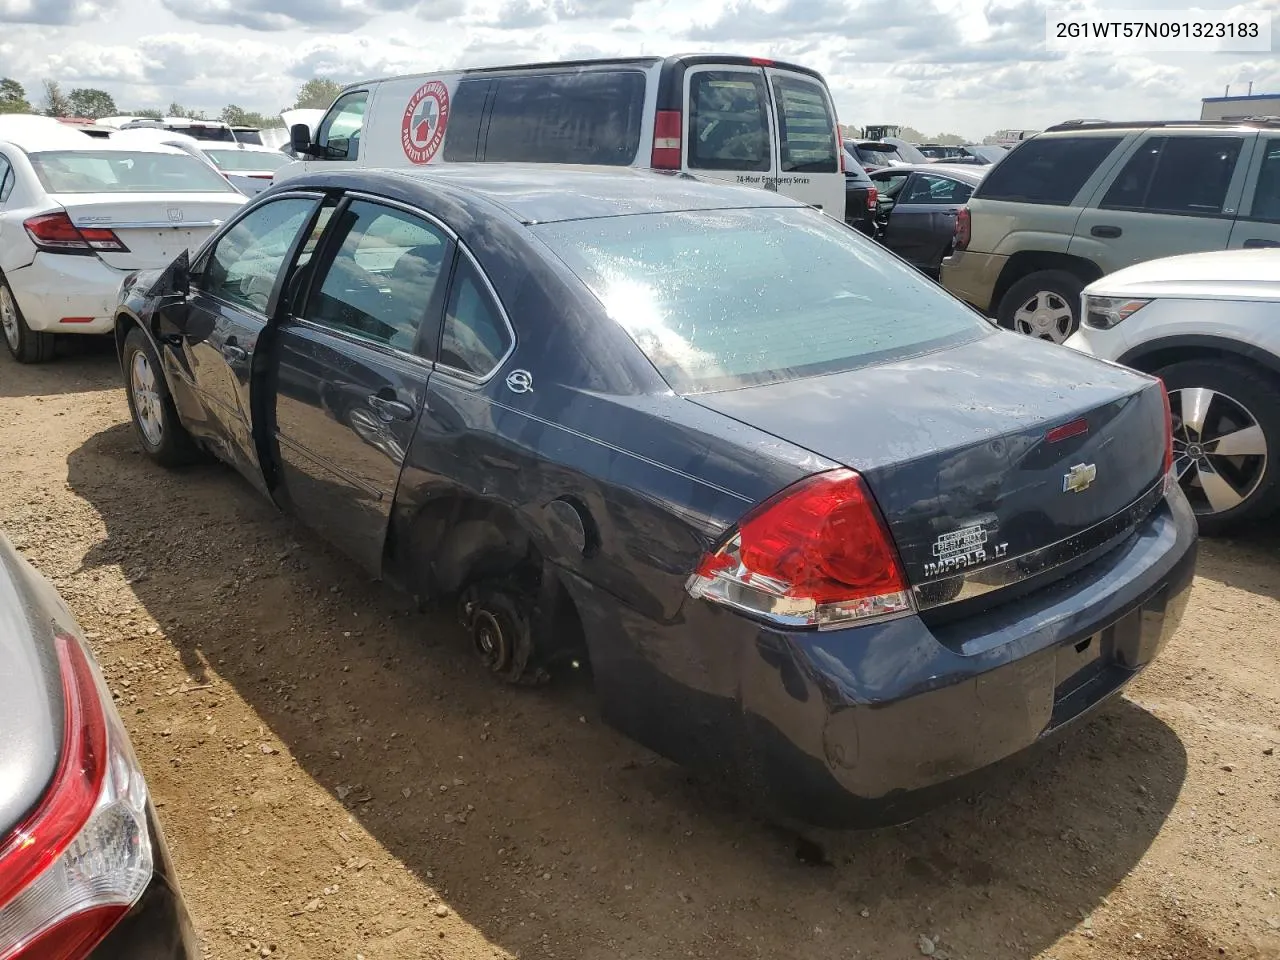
{"x": 1079, "y": 478}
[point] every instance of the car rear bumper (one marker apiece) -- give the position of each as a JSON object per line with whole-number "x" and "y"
{"x": 874, "y": 724}
{"x": 61, "y": 293}
{"x": 158, "y": 927}
{"x": 972, "y": 277}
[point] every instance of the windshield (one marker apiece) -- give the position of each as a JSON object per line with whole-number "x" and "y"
{"x": 876, "y": 158}
{"x": 120, "y": 171}
{"x": 256, "y": 161}
{"x": 731, "y": 298}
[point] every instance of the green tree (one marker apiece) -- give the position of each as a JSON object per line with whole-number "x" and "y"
{"x": 178, "y": 110}
{"x": 13, "y": 97}
{"x": 56, "y": 103}
{"x": 950, "y": 139}
{"x": 317, "y": 94}
{"x": 91, "y": 103}
{"x": 240, "y": 117}
{"x": 151, "y": 113}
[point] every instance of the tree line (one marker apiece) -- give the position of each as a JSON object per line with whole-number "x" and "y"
{"x": 91, "y": 103}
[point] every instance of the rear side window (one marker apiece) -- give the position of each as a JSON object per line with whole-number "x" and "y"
{"x": 1266, "y": 196}
{"x": 476, "y": 338}
{"x": 806, "y": 128}
{"x": 6, "y": 179}
{"x": 591, "y": 117}
{"x": 728, "y": 121}
{"x": 1048, "y": 170}
{"x": 719, "y": 299}
{"x": 1176, "y": 175}
{"x": 466, "y": 111}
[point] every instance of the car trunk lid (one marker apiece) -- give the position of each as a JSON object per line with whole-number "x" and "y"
{"x": 155, "y": 229}
{"x": 987, "y": 451}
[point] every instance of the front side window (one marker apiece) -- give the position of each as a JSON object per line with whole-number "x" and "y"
{"x": 588, "y": 117}
{"x": 730, "y": 298}
{"x": 339, "y": 133}
{"x": 930, "y": 188}
{"x": 1176, "y": 175}
{"x": 728, "y": 121}
{"x": 246, "y": 260}
{"x": 384, "y": 277}
{"x": 806, "y": 127}
{"x": 1266, "y": 195}
{"x": 124, "y": 171}
{"x": 1048, "y": 170}
{"x": 475, "y": 337}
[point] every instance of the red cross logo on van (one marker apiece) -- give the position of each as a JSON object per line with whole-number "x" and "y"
{"x": 425, "y": 118}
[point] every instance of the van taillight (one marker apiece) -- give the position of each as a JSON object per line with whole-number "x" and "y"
{"x": 964, "y": 229}
{"x": 666, "y": 140}
{"x": 873, "y": 198}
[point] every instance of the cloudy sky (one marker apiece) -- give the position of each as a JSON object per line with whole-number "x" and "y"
{"x": 962, "y": 66}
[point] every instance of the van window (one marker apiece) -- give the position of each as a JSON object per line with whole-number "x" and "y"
{"x": 590, "y": 117}
{"x": 466, "y": 112}
{"x": 1176, "y": 175}
{"x": 806, "y": 128}
{"x": 1266, "y": 195}
{"x": 340, "y": 129}
{"x": 1049, "y": 170}
{"x": 728, "y": 121}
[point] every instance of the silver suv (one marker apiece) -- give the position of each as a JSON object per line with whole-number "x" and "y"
{"x": 1087, "y": 198}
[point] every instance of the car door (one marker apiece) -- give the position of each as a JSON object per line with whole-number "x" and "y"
{"x": 729, "y": 131}
{"x": 806, "y": 145}
{"x": 352, "y": 359}
{"x": 336, "y": 144}
{"x": 234, "y": 288}
{"x": 1174, "y": 194}
{"x": 1259, "y": 222}
{"x": 922, "y": 222}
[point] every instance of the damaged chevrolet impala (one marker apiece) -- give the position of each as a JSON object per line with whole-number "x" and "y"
{"x": 821, "y": 532}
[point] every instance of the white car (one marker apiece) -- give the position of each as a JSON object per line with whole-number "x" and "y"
{"x": 247, "y": 167}
{"x": 78, "y": 214}
{"x": 1208, "y": 325}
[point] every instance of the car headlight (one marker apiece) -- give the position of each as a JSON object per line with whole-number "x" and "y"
{"x": 1103, "y": 313}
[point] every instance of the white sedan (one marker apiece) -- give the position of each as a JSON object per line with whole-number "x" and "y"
{"x": 1208, "y": 325}
{"x": 78, "y": 214}
{"x": 247, "y": 167}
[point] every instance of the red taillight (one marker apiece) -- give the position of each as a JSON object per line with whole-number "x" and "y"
{"x": 964, "y": 229}
{"x": 1168, "y": 429}
{"x": 873, "y": 198}
{"x": 666, "y": 140}
{"x": 79, "y": 862}
{"x": 817, "y": 554}
{"x": 55, "y": 233}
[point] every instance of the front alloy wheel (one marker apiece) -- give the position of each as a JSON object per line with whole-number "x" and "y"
{"x": 9, "y": 318}
{"x": 1219, "y": 449}
{"x": 146, "y": 399}
{"x": 1045, "y": 315}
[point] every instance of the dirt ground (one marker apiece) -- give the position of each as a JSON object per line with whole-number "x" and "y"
{"x": 338, "y": 778}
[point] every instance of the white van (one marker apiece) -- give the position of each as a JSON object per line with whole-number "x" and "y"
{"x": 743, "y": 119}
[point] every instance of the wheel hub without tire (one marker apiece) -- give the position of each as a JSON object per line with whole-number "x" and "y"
{"x": 1219, "y": 449}
{"x": 1046, "y": 316}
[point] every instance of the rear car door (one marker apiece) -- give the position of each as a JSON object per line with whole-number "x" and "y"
{"x": 235, "y": 286}
{"x": 807, "y": 143}
{"x": 352, "y": 362}
{"x": 1259, "y": 222}
{"x": 1173, "y": 194}
{"x": 922, "y": 222}
{"x": 729, "y": 130}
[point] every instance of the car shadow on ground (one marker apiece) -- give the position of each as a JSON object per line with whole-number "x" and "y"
{"x": 1248, "y": 560}
{"x": 82, "y": 364}
{"x": 517, "y": 804}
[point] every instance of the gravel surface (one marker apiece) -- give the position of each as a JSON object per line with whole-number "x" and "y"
{"x": 338, "y": 778}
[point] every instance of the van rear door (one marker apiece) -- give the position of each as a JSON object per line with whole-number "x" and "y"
{"x": 729, "y": 127}
{"x": 806, "y": 145}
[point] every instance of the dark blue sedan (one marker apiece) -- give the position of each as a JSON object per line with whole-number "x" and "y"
{"x": 821, "y": 531}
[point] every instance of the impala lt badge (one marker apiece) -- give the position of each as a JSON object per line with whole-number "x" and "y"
{"x": 1079, "y": 478}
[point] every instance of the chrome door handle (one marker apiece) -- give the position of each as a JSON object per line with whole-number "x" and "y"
{"x": 235, "y": 353}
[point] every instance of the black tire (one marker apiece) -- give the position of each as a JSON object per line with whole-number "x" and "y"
{"x": 1066, "y": 287}
{"x": 171, "y": 445}
{"x": 26, "y": 345}
{"x": 1258, "y": 394}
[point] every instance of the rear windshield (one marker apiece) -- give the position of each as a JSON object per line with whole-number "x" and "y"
{"x": 247, "y": 160}
{"x": 730, "y": 298}
{"x": 248, "y": 136}
{"x": 1048, "y": 170}
{"x": 119, "y": 171}
{"x": 591, "y": 117}
{"x": 218, "y": 134}
{"x": 877, "y": 158}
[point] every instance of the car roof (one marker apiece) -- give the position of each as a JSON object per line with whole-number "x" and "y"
{"x": 546, "y": 193}
{"x": 52, "y": 135}
{"x": 968, "y": 172}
